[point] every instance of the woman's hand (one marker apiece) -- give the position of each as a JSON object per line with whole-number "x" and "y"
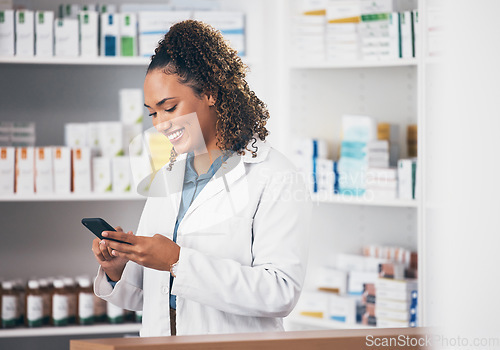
{"x": 157, "y": 252}
{"x": 113, "y": 266}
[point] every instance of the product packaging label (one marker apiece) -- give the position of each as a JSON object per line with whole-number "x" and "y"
{"x": 34, "y": 310}
{"x": 86, "y": 307}
{"x": 9, "y": 310}
{"x": 60, "y": 309}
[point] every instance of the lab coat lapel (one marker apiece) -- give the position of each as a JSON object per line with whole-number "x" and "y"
{"x": 174, "y": 181}
{"x": 229, "y": 172}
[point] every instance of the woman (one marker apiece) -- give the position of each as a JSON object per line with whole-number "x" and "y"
{"x": 224, "y": 250}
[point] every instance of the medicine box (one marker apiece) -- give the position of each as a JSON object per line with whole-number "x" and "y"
{"x": 81, "y": 170}
{"x": 111, "y": 139}
{"x": 7, "y": 33}
{"x": 230, "y": 24}
{"x": 62, "y": 169}
{"x": 122, "y": 178}
{"x": 131, "y": 106}
{"x": 101, "y": 174}
{"x": 44, "y": 176}
{"x": 66, "y": 43}
{"x": 153, "y": 25}
{"x": 128, "y": 34}
{"x": 89, "y": 33}
{"x": 25, "y": 170}
{"x": 25, "y": 33}
{"x": 132, "y": 137}
{"x": 44, "y": 33}
{"x": 110, "y": 32}
{"x": 7, "y": 167}
{"x": 342, "y": 308}
{"x": 76, "y": 134}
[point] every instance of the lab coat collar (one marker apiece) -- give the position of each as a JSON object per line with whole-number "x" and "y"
{"x": 230, "y": 171}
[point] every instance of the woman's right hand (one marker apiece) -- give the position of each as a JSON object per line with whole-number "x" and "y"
{"x": 113, "y": 266}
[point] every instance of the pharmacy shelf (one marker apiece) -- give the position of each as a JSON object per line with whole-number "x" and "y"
{"x": 354, "y": 200}
{"x": 88, "y": 61}
{"x": 352, "y": 64}
{"x": 70, "y": 197}
{"x": 70, "y": 330}
{"x": 323, "y": 323}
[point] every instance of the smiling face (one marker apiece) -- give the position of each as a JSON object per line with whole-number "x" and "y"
{"x": 186, "y": 119}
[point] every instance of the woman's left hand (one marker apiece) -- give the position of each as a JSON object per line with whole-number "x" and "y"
{"x": 157, "y": 252}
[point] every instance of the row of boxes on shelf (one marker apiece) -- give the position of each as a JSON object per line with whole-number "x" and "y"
{"x": 369, "y": 163}
{"x": 17, "y": 134}
{"x": 350, "y": 30}
{"x": 93, "y": 31}
{"x": 57, "y": 302}
{"x": 348, "y": 287}
{"x": 63, "y": 170}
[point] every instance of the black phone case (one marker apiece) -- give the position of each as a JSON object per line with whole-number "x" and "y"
{"x": 97, "y": 225}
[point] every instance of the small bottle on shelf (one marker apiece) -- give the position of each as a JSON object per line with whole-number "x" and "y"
{"x": 71, "y": 290}
{"x": 85, "y": 301}
{"x": 100, "y": 309}
{"x": 60, "y": 304}
{"x": 21, "y": 306}
{"x": 115, "y": 314}
{"x": 10, "y": 300}
{"x": 45, "y": 290}
{"x": 34, "y": 305}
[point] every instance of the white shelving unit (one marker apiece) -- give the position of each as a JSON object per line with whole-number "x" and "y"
{"x": 72, "y": 197}
{"x": 70, "y": 330}
{"x": 352, "y": 64}
{"x": 296, "y": 321}
{"x": 353, "y": 200}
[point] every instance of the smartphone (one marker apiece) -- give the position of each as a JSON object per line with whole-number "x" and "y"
{"x": 97, "y": 225}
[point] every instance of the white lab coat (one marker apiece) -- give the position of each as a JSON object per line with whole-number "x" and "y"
{"x": 244, "y": 243}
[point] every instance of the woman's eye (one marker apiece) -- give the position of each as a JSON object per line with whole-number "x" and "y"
{"x": 171, "y": 109}
{"x": 152, "y": 114}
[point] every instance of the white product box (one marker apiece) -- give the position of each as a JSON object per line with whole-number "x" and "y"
{"x": 62, "y": 169}
{"x": 93, "y": 138}
{"x": 405, "y": 178}
{"x": 132, "y": 139}
{"x": 337, "y": 10}
{"x": 357, "y": 279}
{"x": 231, "y": 25}
{"x": 111, "y": 139}
{"x": 69, "y": 11}
{"x": 342, "y": 308}
{"x": 25, "y": 33}
{"x": 44, "y": 33}
{"x": 81, "y": 170}
{"x": 140, "y": 170}
{"x": 128, "y": 34}
{"x": 313, "y": 304}
{"x": 44, "y": 175}
{"x": 90, "y": 7}
{"x": 7, "y": 33}
{"x": 153, "y": 25}
{"x": 359, "y": 128}
{"x": 122, "y": 178}
{"x": 394, "y": 42}
{"x": 76, "y": 134}
{"x": 131, "y": 106}
{"x": 89, "y": 33}
{"x": 329, "y": 278}
{"x": 7, "y": 170}
{"x": 376, "y": 6}
{"x": 66, "y": 37}
{"x": 101, "y": 170}
{"x": 405, "y": 19}
{"x": 110, "y": 33}
{"x": 25, "y": 170}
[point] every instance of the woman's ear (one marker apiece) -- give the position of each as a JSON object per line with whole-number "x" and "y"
{"x": 211, "y": 99}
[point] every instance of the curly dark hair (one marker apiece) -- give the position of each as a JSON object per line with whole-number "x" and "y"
{"x": 203, "y": 60}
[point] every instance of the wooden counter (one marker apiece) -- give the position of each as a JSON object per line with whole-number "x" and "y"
{"x": 356, "y": 339}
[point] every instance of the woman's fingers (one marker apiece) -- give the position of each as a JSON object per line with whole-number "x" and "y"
{"x": 104, "y": 250}
{"x": 97, "y": 251}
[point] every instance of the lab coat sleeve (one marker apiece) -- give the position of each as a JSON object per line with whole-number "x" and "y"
{"x": 272, "y": 285}
{"x": 127, "y": 293}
